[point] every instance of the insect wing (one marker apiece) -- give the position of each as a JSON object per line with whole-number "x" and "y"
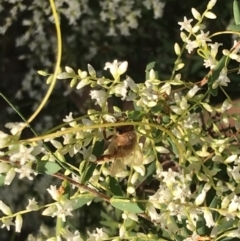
{"x": 117, "y": 167}
{"x": 136, "y": 157}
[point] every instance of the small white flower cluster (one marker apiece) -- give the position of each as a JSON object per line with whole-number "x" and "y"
{"x": 19, "y": 155}
{"x": 172, "y": 198}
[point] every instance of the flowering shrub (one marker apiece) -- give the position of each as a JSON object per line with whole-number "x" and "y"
{"x": 195, "y": 199}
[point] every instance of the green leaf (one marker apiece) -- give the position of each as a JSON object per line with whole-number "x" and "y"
{"x": 214, "y": 203}
{"x": 201, "y": 228}
{"x": 136, "y": 115}
{"x": 80, "y": 201}
{"x": 234, "y": 27}
{"x": 114, "y": 186}
{"x": 126, "y": 204}
{"x": 2, "y": 179}
{"x": 236, "y": 14}
{"x": 88, "y": 170}
{"x": 47, "y": 167}
{"x": 98, "y": 148}
{"x": 151, "y": 64}
{"x": 215, "y": 74}
{"x": 150, "y": 169}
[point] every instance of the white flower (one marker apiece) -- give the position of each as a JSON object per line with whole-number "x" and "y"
{"x": 191, "y": 45}
{"x": 87, "y": 154}
{"x": 112, "y": 31}
{"x": 148, "y": 97}
{"x": 5, "y": 209}
{"x": 15, "y": 127}
{"x": 152, "y": 212}
{"x": 100, "y": 96}
{"x": 18, "y": 223}
{"x": 69, "y": 236}
{"x": 214, "y": 48}
{"x": 63, "y": 209}
{"x": 234, "y": 204}
{"x": 130, "y": 83}
{"x": 120, "y": 90}
{"x": 25, "y": 171}
{"x": 186, "y": 24}
{"x": 210, "y": 63}
{"x": 32, "y": 205}
{"x": 116, "y": 68}
{"x": 202, "y": 38}
{"x": 97, "y": 235}
{"x": 24, "y": 155}
{"x": 124, "y": 28}
{"x": 4, "y": 139}
{"x": 166, "y": 88}
{"x": 69, "y": 119}
{"x": 192, "y": 91}
{"x": 158, "y": 7}
{"x": 222, "y": 80}
{"x": 6, "y": 222}
{"x": 208, "y": 218}
{"x": 53, "y": 191}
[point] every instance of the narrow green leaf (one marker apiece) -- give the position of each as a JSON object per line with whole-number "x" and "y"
{"x": 150, "y": 66}
{"x": 214, "y": 203}
{"x": 235, "y": 28}
{"x": 88, "y": 170}
{"x": 150, "y": 170}
{"x": 80, "y": 201}
{"x": 236, "y": 14}
{"x": 136, "y": 115}
{"x": 201, "y": 228}
{"x": 215, "y": 74}
{"x": 47, "y": 167}
{"x": 2, "y": 179}
{"x": 98, "y": 148}
{"x": 224, "y": 225}
{"x": 125, "y": 204}
{"x": 114, "y": 186}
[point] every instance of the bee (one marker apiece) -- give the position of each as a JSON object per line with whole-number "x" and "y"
{"x": 122, "y": 147}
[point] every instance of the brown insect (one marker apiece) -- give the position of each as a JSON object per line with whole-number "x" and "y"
{"x": 123, "y": 145}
